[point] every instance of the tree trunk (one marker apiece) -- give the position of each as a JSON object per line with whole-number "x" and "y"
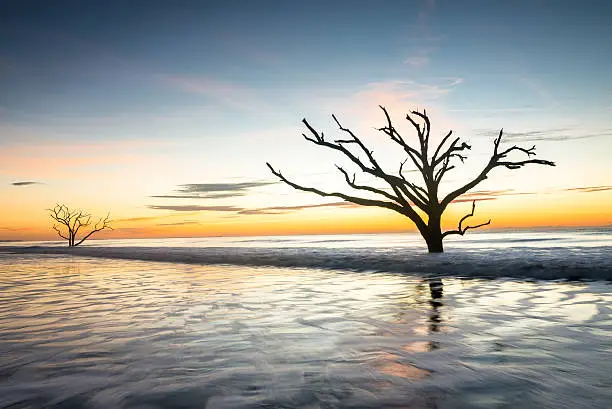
{"x": 434, "y": 244}
{"x": 433, "y": 238}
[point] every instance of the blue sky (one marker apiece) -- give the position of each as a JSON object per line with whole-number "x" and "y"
{"x": 210, "y": 90}
{"x": 102, "y": 58}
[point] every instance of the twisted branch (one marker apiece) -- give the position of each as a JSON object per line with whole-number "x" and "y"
{"x": 496, "y": 160}
{"x": 460, "y": 229}
{"x": 72, "y": 221}
{"x": 403, "y": 193}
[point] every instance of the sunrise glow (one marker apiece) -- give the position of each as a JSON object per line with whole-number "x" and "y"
{"x": 168, "y": 125}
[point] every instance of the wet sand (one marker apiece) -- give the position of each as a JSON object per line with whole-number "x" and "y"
{"x": 100, "y": 333}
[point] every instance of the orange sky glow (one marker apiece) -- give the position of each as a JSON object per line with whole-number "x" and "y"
{"x": 168, "y": 126}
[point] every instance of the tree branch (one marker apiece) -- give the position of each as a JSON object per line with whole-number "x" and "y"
{"x": 352, "y": 184}
{"x": 395, "y": 182}
{"x": 461, "y": 230}
{"x": 401, "y": 195}
{"x": 425, "y": 133}
{"x": 406, "y": 211}
{"x": 74, "y": 220}
{"x": 102, "y": 224}
{"x": 319, "y": 140}
{"x": 452, "y": 152}
{"x": 59, "y": 232}
{"x": 397, "y": 138}
{"x": 448, "y": 135}
{"x": 440, "y": 173}
{"x": 356, "y": 140}
{"x": 495, "y": 161}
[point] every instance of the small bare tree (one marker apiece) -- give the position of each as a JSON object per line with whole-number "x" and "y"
{"x": 403, "y": 195}
{"x": 68, "y": 223}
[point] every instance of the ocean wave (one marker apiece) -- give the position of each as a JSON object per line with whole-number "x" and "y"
{"x": 521, "y": 240}
{"x": 573, "y": 263}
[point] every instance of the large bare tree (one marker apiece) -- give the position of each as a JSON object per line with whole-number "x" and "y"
{"x": 68, "y": 223}
{"x": 405, "y": 196}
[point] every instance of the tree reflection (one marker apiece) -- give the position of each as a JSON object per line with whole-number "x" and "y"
{"x": 436, "y": 291}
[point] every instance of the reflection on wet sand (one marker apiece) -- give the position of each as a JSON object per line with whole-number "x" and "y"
{"x": 125, "y": 334}
{"x": 434, "y": 321}
{"x": 417, "y": 346}
{"x": 394, "y": 365}
{"x": 436, "y": 289}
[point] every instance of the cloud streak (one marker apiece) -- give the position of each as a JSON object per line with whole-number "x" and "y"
{"x": 242, "y": 210}
{"x": 417, "y": 61}
{"x": 589, "y": 189}
{"x": 12, "y": 229}
{"x": 213, "y": 190}
{"x": 27, "y": 183}
{"x": 479, "y": 195}
{"x": 552, "y": 134}
{"x": 227, "y": 93}
{"x": 410, "y": 90}
{"x": 178, "y": 223}
{"x": 207, "y": 196}
{"x": 196, "y": 208}
{"x": 286, "y": 209}
{"x": 137, "y": 219}
{"x": 396, "y": 96}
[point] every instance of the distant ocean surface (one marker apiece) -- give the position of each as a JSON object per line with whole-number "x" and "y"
{"x": 554, "y": 254}
{"x": 502, "y": 320}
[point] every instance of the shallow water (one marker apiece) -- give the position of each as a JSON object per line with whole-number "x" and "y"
{"x": 101, "y": 333}
{"x": 559, "y": 254}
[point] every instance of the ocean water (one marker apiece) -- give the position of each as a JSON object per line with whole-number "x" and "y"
{"x": 309, "y": 322}
{"x": 573, "y": 255}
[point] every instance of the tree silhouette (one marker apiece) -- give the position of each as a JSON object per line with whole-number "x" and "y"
{"x": 69, "y": 222}
{"x": 403, "y": 195}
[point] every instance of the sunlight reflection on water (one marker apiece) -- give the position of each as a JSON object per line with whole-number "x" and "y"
{"x": 101, "y": 333}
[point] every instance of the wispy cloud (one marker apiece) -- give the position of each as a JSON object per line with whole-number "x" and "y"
{"x": 244, "y": 211}
{"x": 137, "y": 219}
{"x": 196, "y": 208}
{"x": 479, "y": 195}
{"x": 227, "y": 93}
{"x": 201, "y": 196}
{"x": 183, "y": 223}
{"x": 472, "y": 199}
{"x": 410, "y": 90}
{"x": 213, "y": 190}
{"x": 397, "y": 96}
{"x": 417, "y": 61}
{"x": 426, "y": 9}
{"x": 538, "y": 88}
{"x": 494, "y": 110}
{"x": 421, "y": 36}
{"x": 61, "y": 159}
{"x": 589, "y": 189}
{"x": 552, "y": 134}
{"x": 15, "y": 228}
{"x": 286, "y": 209}
{"x": 28, "y": 183}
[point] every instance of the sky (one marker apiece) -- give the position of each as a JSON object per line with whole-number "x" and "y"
{"x": 164, "y": 113}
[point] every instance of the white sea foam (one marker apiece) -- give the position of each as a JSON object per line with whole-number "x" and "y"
{"x": 537, "y": 255}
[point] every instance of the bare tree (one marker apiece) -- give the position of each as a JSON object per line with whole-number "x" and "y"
{"x": 68, "y": 223}
{"x": 403, "y": 195}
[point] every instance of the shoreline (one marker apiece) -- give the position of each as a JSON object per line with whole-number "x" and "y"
{"x": 590, "y": 263}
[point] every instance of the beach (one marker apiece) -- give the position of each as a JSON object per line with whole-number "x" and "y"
{"x": 100, "y": 332}
{"x": 305, "y": 205}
